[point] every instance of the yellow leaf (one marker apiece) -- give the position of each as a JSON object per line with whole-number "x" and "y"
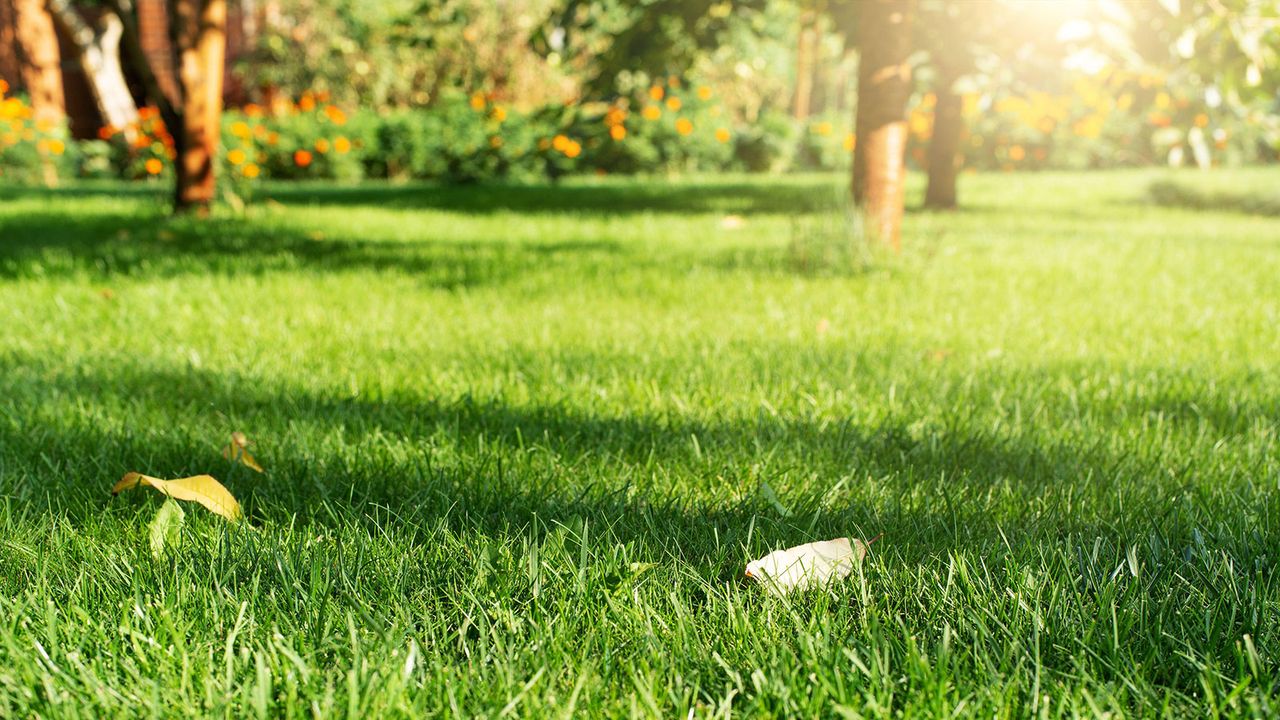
{"x": 235, "y": 451}
{"x": 202, "y": 489}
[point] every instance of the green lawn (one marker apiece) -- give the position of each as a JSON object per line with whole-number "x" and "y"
{"x": 521, "y": 442}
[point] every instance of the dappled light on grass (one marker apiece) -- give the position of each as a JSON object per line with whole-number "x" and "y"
{"x": 503, "y": 440}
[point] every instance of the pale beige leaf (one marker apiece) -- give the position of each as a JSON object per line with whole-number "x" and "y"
{"x": 807, "y": 566}
{"x": 202, "y": 489}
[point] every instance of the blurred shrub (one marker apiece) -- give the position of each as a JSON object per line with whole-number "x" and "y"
{"x": 31, "y": 150}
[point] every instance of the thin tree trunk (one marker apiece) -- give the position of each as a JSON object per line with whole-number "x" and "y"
{"x": 944, "y": 148}
{"x": 41, "y": 61}
{"x": 805, "y": 46}
{"x": 98, "y": 53}
{"x": 41, "y": 69}
{"x": 884, "y": 85}
{"x": 10, "y": 67}
{"x": 200, "y": 31}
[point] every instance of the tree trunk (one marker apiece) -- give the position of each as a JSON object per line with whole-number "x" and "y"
{"x": 806, "y": 45}
{"x": 10, "y": 68}
{"x": 41, "y": 69}
{"x": 98, "y": 53}
{"x": 200, "y": 32}
{"x": 944, "y": 147}
{"x": 884, "y": 85}
{"x": 41, "y": 61}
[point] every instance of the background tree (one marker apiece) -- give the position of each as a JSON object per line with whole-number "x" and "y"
{"x": 97, "y": 51}
{"x": 40, "y": 64}
{"x": 194, "y": 118}
{"x": 884, "y": 86}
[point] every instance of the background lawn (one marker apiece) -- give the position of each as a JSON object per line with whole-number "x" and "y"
{"x": 520, "y": 443}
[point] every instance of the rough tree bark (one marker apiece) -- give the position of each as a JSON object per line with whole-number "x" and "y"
{"x": 194, "y": 117}
{"x": 41, "y": 69}
{"x": 98, "y": 53}
{"x": 200, "y": 31}
{"x": 944, "y": 148}
{"x": 41, "y": 61}
{"x": 884, "y": 85}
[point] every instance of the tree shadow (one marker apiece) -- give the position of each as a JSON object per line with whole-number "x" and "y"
{"x": 619, "y": 197}
{"x": 478, "y": 463}
{"x": 107, "y": 243}
{"x": 795, "y": 195}
{"x": 1166, "y": 193}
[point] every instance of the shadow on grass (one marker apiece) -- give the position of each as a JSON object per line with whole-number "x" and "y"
{"x": 494, "y": 466}
{"x": 1166, "y": 193}
{"x": 109, "y": 243}
{"x": 790, "y": 196}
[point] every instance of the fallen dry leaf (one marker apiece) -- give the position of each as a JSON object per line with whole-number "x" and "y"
{"x": 732, "y": 222}
{"x": 937, "y": 354}
{"x": 107, "y": 294}
{"x": 236, "y": 451}
{"x": 202, "y": 489}
{"x": 810, "y": 565}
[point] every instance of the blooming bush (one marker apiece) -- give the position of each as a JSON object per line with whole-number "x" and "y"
{"x": 31, "y": 149}
{"x": 1109, "y": 119}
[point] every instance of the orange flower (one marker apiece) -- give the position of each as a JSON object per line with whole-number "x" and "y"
{"x": 4, "y": 87}
{"x": 822, "y": 128}
{"x": 572, "y": 150}
{"x": 307, "y": 102}
{"x": 335, "y": 115}
{"x": 253, "y": 111}
{"x": 657, "y": 93}
{"x": 722, "y": 135}
{"x": 1159, "y": 119}
{"x": 250, "y": 171}
{"x": 153, "y": 166}
{"x": 1202, "y": 120}
{"x": 106, "y": 132}
{"x": 301, "y": 158}
{"x": 651, "y": 112}
{"x": 684, "y": 126}
{"x": 240, "y": 129}
{"x": 499, "y": 113}
{"x": 477, "y": 101}
{"x": 342, "y": 145}
{"x": 673, "y": 103}
{"x": 560, "y": 142}
{"x": 236, "y": 157}
{"x": 322, "y": 146}
{"x": 273, "y": 138}
{"x": 1017, "y": 153}
{"x": 850, "y": 142}
{"x": 617, "y": 132}
{"x": 704, "y": 93}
